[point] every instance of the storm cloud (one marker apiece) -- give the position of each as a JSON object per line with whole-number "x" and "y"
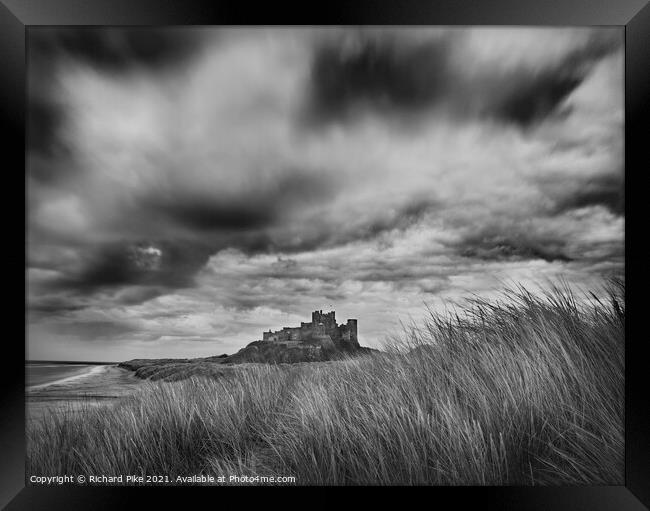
{"x": 606, "y": 190}
{"x": 188, "y": 188}
{"x": 527, "y": 96}
{"x": 116, "y": 49}
{"x": 257, "y": 207}
{"x": 393, "y": 73}
{"x": 378, "y": 71}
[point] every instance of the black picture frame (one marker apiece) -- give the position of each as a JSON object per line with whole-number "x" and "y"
{"x": 634, "y": 15}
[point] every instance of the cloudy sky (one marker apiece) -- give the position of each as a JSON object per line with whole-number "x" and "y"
{"x": 189, "y": 188}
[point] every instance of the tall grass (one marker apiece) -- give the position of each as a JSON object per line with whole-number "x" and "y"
{"x": 528, "y": 389}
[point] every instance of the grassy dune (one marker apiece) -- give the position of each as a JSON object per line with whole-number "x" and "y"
{"x": 527, "y": 390}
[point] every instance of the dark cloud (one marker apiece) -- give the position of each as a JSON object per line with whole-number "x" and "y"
{"x": 392, "y": 75}
{"x": 534, "y": 97}
{"x": 566, "y": 193}
{"x": 136, "y": 295}
{"x": 93, "y": 330}
{"x": 45, "y": 117}
{"x": 606, "y": 191}
{"x": 43, "y": 120}
{"x": 401, "y": 219}
{"x": 158, "y": 264}
{"x": 492, "y": 244}
{"x": 53, "y": 305}
{"x": 379, "y": 72}
{"x": 255, "y": 208}
{"x": 116, "y": 49}
{"x": 323, "y": 234}
{"x": 526, "y": 96}
{"x": 71, "y": 296}
{"x": 214, "y": 214}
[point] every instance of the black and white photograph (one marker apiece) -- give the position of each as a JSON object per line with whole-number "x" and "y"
{"x": 325, "y": 255}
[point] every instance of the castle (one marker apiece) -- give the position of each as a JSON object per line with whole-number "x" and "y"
{"x": 322, "y": 329}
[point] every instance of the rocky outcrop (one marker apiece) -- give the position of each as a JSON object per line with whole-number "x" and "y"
{"x": 258, "y": 352}
{"x": 271, "y": 352}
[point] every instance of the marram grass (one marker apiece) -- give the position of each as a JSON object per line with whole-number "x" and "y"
{"x": 524, "y": 390}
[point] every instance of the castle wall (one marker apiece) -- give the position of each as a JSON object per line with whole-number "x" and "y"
{"x": 349, "y": 331}
{"x": 323, "y": 327}
{"x": 328, "y": 319}
{"x": 293, "y": 334}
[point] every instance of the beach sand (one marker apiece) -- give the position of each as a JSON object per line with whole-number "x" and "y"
{"x": 71, "y": 388}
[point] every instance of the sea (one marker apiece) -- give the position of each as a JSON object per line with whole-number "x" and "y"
{"x": 67, "y": 387}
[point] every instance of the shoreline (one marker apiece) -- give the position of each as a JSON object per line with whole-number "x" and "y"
{"x": 91, "y": 371}
{"x": 93, "y": 386}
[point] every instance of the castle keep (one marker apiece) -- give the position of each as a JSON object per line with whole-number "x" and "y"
{"x": 322, "y": 330}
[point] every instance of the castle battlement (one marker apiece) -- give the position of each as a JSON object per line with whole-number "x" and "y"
{"x": 323, "y": 328}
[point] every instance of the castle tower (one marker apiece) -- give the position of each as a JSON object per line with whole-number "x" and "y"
{"x": 328, "y": 319}
{"x": 352, "y": 328}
